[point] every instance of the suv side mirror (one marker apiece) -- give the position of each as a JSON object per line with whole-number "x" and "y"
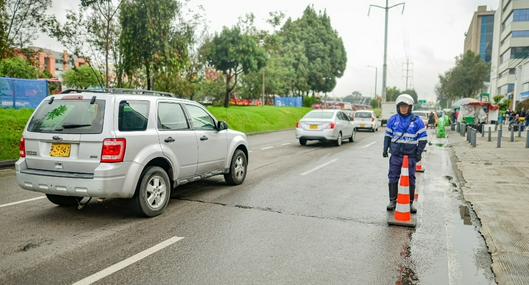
{"x": 222, "y": 126}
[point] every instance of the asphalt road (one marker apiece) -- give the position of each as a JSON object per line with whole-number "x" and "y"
{"x": 305, "y": 215}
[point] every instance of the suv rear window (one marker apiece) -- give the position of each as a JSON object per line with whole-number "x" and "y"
{"x": 133, "y": 115}
{"x": 69, "y": 117}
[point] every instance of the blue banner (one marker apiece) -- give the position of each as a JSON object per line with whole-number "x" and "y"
{"x": 289, "y": 102}
{"x": 22, "y": 93}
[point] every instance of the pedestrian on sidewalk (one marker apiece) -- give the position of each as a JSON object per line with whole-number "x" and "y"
{"x": 406, "y": 134}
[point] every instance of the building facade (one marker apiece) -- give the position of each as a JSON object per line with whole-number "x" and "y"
{"x": 54, "y": 62}
{"x": 480, "y": 35}
{"x": 510, "y": 49}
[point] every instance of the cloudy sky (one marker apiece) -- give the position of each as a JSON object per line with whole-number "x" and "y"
{"x": 430, "y": 33}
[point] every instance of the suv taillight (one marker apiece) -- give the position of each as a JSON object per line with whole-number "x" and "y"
{"x": 333, "y": 125}
{"x": 113, "y": 150}
{"x": 298, "y": 125}
{"x": 22, "y": 147}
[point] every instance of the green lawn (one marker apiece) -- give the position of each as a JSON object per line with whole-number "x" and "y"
{"x": 13, "y": 123}
{"x": 259, "y": 119}
{"x": 245, "y": 119}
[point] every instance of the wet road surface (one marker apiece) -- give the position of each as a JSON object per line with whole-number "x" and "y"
{"x": 305, "y": 215}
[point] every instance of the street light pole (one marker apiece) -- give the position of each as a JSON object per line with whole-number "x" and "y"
{"x": 376, "y": 78}
{"x": 385, "y": 66}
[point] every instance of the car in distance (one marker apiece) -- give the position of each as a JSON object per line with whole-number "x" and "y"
{"x": 324, "y": 126}
{"x": 122, "y": 144}
{"x": 423, "y": 115}
{"x": 366, "y": 120}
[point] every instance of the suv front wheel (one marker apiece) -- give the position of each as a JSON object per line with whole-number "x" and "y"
{"x": 238, "y": 167}
{"x": 153, "y": 192}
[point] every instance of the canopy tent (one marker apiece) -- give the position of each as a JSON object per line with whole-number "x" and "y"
{"x": 464, "y": 101}
{"x": 477, "y": 112}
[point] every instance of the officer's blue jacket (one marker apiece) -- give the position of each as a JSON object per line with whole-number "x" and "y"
{"x": 405, "y": 135}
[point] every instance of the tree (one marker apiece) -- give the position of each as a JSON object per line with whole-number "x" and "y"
{"x": 149, "y": 40}
{"x": 83, "y": 77}
{"x": 392, "y": 93}
{"x": 324, "y": 58}
{"x": 234, "y": 54}
{"x": 20, "y": 21}
{"x": 465, "y": 79}
{"x": 17, "y": 68}
{"x": 374, "y": 103}
{"x": 104, "y": 28}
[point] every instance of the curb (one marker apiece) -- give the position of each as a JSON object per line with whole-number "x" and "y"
{"x": 7, "y": 164}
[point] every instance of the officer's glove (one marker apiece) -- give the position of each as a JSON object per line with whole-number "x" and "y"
{"x": 385, "y": 154}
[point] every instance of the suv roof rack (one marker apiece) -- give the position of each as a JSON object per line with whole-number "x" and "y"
{"x": 120, "y": 91}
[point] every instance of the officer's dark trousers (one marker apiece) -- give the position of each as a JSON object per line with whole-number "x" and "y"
{"x": 395, "y": 164}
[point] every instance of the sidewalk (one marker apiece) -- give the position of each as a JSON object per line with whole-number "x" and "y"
{"x": 496, "y": 182}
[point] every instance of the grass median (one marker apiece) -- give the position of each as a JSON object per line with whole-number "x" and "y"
{"x": 13, "y": 123}
{"x": 245, "y": 119}
{"x": 259, "y": 119}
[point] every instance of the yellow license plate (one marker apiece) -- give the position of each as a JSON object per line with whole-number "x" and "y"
{"x": 362, "y": 125}
{"x": 313, "y": 127}
{"x": 60, "y": 150}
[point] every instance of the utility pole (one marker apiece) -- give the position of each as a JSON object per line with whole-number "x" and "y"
{"x": 385, "y": 66}
{"x": 376, "y": 79}
{"x": 408, "y": 70}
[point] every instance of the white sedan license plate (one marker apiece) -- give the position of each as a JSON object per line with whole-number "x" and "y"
{"x": 313, "y": 127}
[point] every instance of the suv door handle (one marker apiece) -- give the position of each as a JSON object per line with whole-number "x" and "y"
{"x": 169, "y": 140}
{"x": 204, "y": 138}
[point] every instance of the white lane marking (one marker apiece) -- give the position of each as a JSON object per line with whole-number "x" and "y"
{"x": 267, "y": 148}
{"x": 319, "y": 167}
{"x": 126, "y": 262}
{"x": 368, "y": 145}
{"x": 250, "y": 151}
{"x": 286, "y": 144}
{"x": 23, "y": 201}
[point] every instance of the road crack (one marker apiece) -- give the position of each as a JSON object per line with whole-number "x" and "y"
{"x": 271, "y": 210}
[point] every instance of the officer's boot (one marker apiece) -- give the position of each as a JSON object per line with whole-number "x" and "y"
{"x": 413, "y": 210}
{"x": 393, "y": 191}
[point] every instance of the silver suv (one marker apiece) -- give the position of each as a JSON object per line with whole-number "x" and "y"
{"x": 125, "y": 145}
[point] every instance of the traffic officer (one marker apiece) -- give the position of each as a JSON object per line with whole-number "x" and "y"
{"x": 405, "y": 135}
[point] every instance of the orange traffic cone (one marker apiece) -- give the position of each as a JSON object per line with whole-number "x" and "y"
{"x": 419, "y": 167}
{"x": 402, "y": 215}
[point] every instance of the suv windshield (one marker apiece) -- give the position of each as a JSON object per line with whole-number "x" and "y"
{"x": 363, "y": 115}
{"x": 319, "y": 115}
{"x": 69, "y": 117}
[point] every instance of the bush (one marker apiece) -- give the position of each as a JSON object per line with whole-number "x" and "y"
{"x": 309, "y": 101}
{"x": 18, "y": 68}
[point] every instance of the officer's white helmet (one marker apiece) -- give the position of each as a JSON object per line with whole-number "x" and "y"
{"x": 406, "y": 99}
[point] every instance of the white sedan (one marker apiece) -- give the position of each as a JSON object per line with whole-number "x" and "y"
{"x": 325, "y": 125}
{"x": 366, "y": 120}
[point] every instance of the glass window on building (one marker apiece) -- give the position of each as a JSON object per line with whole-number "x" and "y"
{"x": 520, "y": 34}
{"x": 520, "y": 15}
{"x": 510, "y": 88}
{"x": 485, "y": 46}
{"x": 519, "y": 52}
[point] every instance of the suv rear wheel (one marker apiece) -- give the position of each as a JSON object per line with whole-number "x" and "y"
{"x": 238, "y": 167}
{"x": 153, "y": 192}
{"x": 65, "y": 201}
